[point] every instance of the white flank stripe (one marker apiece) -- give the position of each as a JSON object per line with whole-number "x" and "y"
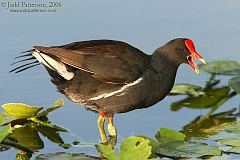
{"x": 54, "y": 65}
{"x": 105, "y": 95}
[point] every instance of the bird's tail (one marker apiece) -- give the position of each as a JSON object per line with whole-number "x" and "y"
{"x": 35, "y": 57}
{"x": 26, "y": 61}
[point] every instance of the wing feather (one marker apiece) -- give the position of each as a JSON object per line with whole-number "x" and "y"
{"x": 108, "y": 61}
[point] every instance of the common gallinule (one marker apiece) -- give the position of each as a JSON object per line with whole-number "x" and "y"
{"x": 110, "y": 76}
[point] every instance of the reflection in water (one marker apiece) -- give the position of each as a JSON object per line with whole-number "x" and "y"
{"x": 214, "y": 96}
{"x": 28, "y": 137}
{"x": 202, "y": 127}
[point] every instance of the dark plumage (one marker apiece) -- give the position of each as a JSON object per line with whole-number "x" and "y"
{"x": 112, "y": 76}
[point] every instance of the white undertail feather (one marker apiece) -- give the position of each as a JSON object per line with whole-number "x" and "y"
{"x": 120, "y": 91}
{"x": 50, "y": 63}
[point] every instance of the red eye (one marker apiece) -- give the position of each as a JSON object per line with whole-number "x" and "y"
{"x": 183, "y": 49}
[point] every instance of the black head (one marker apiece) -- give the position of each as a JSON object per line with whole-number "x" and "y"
{"x": 181, "y": 50}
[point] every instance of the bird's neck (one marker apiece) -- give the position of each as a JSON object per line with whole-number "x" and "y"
{"x": 164, "y": 62}
{"x": 163, "y": 77}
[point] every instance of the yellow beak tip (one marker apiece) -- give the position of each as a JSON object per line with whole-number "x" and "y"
{"x": 197, "y": 71}
{"x": 202, "y": 60}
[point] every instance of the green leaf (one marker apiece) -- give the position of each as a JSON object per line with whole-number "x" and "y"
{"x": 65, "y": 156}
{"x": 5, "y": 132}
{"x": 47, "y": 124}
{"x": 221, "y": 67}
{"x": 232, "y": 150}
{"x": 57, "y": 104}
{"x": 172, "y": 145}
{"x": 165, "y": 135}
{"x": 154, "y": 144}
{"x": 5, "y": 118}
{"x": 233, "y": 128}
{"x": 234, "y": 83}
{"x": 21, "y": 111}
{"x": 107, "y": 152}
{"x": 188, "y": 149}
{"x": 230, "y": 141}
{"x": 187, "y": 89}
{"x": 136, "y": 148}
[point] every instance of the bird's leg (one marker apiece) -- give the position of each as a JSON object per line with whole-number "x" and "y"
{"x": 101, "y": 121}
{"x": 111, "y": 128}
{"x": 112, "y": 132}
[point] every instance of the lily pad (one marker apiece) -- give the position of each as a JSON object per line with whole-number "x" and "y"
{"x": 187, "y": 89}
{"x": 57, "y": 104}
{"x": 20, "y": 110}
{"x": 230, "y": 141}
{"x": 233, "y": 145}
{"x": 165, "y": 135}
{"x": 232, "y": 150}
{"x": 5, "y": 132}
{"x": 172, "y": 144}
{"x": 154, "y": 144}
{"x": 187, "y": 149}
{"x": 234, "y": 83}
{"x": 107, "y": 152}
{"x": 48, "y": 124}
{"x": 226, "y": 67}
{"x": 233, "y": 129}
{"x": 136, "y": 148}
{"x": 65, "y": 156}
{"x": 5, "y": 118}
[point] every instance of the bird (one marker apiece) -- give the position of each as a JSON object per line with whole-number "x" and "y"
{"x": 110, "y": 76}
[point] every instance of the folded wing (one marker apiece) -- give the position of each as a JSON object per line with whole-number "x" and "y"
{"x": 108, "y": 61}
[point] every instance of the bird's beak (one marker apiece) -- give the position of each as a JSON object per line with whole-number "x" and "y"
{"x": 189, "y": 44}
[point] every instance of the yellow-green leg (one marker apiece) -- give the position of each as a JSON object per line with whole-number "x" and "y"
{"x": 112, "y": 132}
{"x": 111, "y": 128}
{"x": 101, "y": 121}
